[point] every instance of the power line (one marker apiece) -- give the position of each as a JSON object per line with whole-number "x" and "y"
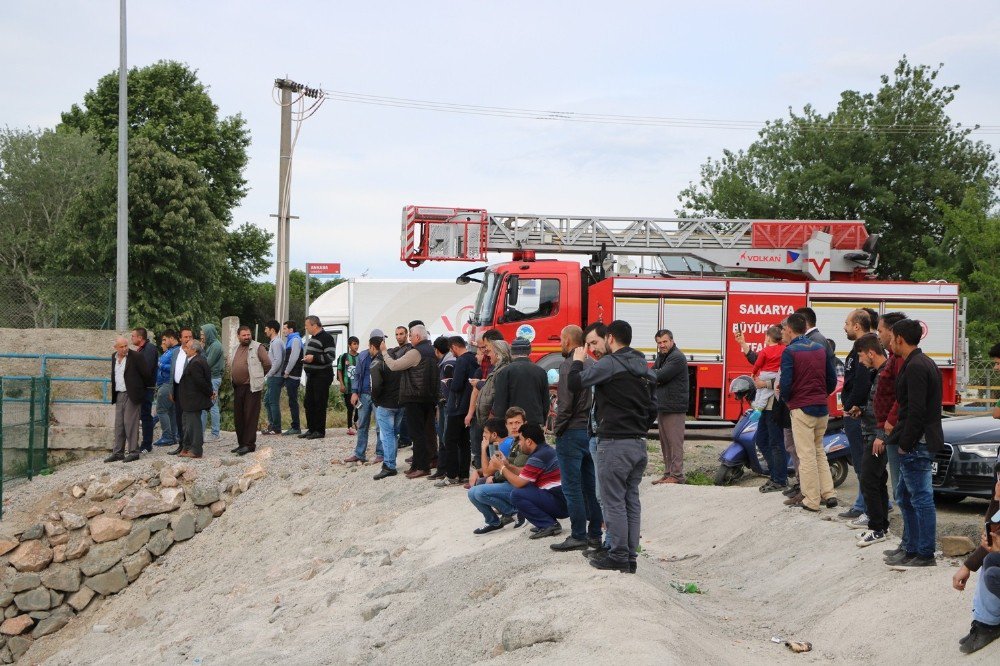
{"x": 619, "y": 119}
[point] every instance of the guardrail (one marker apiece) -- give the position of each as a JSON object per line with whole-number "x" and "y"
{"x": 104, "y": 381}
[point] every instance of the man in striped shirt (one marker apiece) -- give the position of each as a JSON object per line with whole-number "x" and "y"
{"x": 538, "y": 486}
{"x": 317, "y": 361}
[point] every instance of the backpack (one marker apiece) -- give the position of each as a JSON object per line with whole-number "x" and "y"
{"x": 650, "y": 383}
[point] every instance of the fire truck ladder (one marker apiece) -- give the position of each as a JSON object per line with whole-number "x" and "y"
{"x": 813, "y": 249}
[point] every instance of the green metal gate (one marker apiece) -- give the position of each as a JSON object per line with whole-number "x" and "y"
{"x": 24, "y": 428}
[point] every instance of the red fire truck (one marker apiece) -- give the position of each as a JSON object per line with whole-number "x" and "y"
{"x": 714, "y": 277}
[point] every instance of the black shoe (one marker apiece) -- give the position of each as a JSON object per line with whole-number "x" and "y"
{"x": 605, "y": 563}
{"x": 132, "y": 457}
{"x": 895, "y": 551}
{"x": 595, "y": 552}
{"x": 569, "y": 544}
{"x": 235, "y": 449}
{"x": 965, "y": 639}
{"x": 175, "y": 452}
{"x": 243, "y": 450}
{"x": 595, "y": 542}
{"x": 114, "y": 457}
{"x": 305, "y": 435}
{"x": 792, "y": 491}
{"x": 486, "y": 529}
{"x": 437, "y": 476}
{"x": 315, "y": 435}
{"x": 519, "y": 522}
{"x": 632, "y": 567}
{"x": 832, "y": 503}
{"x": 980, "y": 636}
{"x": 549, "y": 531}
{"x": 146, "y": 448}
{"x": 384, "y": 472}
{"x": 533, "y": 529}
{"x": 919, "y": 561}
{"x": 850, "y": 513}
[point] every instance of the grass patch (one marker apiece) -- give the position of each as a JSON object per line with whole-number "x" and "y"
{"x": 699, "y": 478}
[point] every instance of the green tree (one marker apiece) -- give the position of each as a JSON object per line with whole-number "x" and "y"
{"x": 969, "y": 254}
{"x": 177, "y": 247}
{"x": 169, "y": 106}
{"x": 42, "y": 174}
{"x": 893, "y": 158}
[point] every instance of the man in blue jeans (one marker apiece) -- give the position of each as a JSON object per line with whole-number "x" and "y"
{"x": 388, "y": 412}
{"x": 274, "y": 379}
{"x": 361, "y": 397}
{"x": 292, "y": 373}
{"x": 491, "y": 494}
{"x": 537, "y": 484}
{"x": 579, "y": 481}
{"x": 857, "y": 385}
{"x": 919, "y": 435}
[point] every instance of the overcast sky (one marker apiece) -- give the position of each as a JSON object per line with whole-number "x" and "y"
{"x": 356, "y": 165}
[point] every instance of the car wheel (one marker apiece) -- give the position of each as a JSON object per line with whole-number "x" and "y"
{"x": 727, "y": 476}
{"x": 947, "y": 498}
{"x": 838, "y": 470}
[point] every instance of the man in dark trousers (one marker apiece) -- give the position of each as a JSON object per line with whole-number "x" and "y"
{"x": 196, "y": 395}
{"x": 579, "y": 480}
{"x": 621, "y": 382}
{"x": 854, "y": 393}
{"x": 522, "y": 384}
{"x": 418, "y": 395}
{"x": 130, "y": 375}
{"x": 919, "y": 436}
{"x": 249, "y": 363}
{"x": 672, "y": 398}
{"x": 459, "y": 391}
{"x": 874, "y": 474}
{"x": 176, "y": 373}
{"x": 317, "y": 361}
{"x": 140, "y": 340}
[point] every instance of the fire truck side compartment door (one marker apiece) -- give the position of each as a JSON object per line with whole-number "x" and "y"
{"x": 938, "y": 320}
{"x": 697, "y": 326}
{"x": 644, "y": 316}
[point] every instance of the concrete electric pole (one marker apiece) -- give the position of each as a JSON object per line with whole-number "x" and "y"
{"x": 121, "y": 272}
{"x": 281, "y": 297}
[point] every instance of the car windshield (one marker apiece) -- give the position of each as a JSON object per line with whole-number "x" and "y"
{"x": 486, "y": 301}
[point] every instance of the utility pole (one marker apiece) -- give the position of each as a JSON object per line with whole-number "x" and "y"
{"x": 121, "y": 273}
{"x": 286, "y": 87}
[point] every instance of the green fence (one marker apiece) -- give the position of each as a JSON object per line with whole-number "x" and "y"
{"x": 24, "y": 428}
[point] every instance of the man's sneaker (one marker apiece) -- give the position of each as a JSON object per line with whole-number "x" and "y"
{"x": 919, "y": 561}
{"x": 792, "y": 491}
{"x": 850, "y": 514}
{"x": 447, "y": 483}
{"x": 897, "y": 559}
{"x": 859, "y": 523}
{"x": 868, "y": 537}
{"x": 292, "y": 431}
{"x": 980, "y": 636}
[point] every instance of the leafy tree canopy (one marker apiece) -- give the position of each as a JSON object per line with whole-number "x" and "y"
{"x": 892, "y": 157}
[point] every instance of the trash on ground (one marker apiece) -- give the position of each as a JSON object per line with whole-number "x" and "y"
{"x": 799, "y": 646}
{"x": 687, "y": 588}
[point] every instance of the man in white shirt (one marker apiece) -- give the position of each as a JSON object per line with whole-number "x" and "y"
{"x": 129, "y": 377}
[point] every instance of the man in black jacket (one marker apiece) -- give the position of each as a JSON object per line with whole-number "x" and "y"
{"x": 854, "y": 393}
{"x": 418, "y": 395}
{"x": 458, "y": 453}
{"x": 317, "y": 361}
{"x": 129, "y": 378}
{"x": 579, "y": 480}
{"x": 621, "y": 391}
{"x": 522, "y": 384}
{"x": 919, "y": 435}
{"x": 196, "y": 395}
{"x": 140, "y": 340}
{"x": 671, "y": 371}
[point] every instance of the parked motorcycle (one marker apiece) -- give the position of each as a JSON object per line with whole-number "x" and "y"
{"x": 743, "y": 454}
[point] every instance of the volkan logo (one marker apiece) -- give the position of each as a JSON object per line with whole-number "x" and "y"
{"x": 791, "y": 257}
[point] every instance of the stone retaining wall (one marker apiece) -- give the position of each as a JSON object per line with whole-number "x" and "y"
{"x": 97, "y": 539}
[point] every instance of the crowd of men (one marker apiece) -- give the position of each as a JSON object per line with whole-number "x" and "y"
{"x": 477, "y": 418}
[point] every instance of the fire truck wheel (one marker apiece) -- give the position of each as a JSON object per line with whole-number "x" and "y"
{"x": 727, "y": 476}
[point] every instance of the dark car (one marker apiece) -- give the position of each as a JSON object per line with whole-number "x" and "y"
{"x": 964, "y": 468}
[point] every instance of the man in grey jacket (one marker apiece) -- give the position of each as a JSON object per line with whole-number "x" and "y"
{"x": 579, "y": 482}
{"x": 621, "y": 390}
{"x": 672, "y": 404}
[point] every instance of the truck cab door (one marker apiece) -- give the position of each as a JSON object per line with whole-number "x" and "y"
{"x": 531, "y": 306}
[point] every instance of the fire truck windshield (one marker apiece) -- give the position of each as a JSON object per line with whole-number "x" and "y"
{"x": 487, "y": 299}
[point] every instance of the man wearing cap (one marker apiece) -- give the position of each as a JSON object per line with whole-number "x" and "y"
{"x": 361, "y": 398}
{"x": 522, "y": 384}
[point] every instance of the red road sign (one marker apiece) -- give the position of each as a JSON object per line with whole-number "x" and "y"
{"x": 323, "y": 269}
